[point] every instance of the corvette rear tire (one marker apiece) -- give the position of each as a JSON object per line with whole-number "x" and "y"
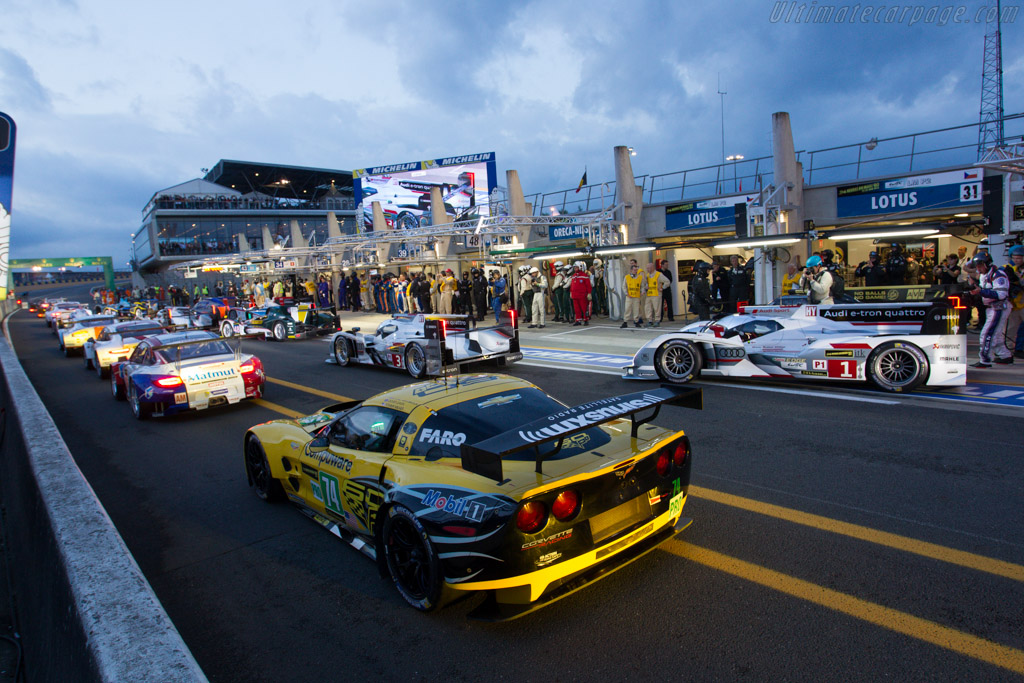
{"x": 897, "y": 367}
{"x": 411, "y": 559}
{"x": 140, "y": 410}
{"x": 415, "y": 360}
{"x": 280, "y": 331}
{"x": 257, "y": 467}
{"x": 678, "y": 361}
{"x": 341, "y": 351}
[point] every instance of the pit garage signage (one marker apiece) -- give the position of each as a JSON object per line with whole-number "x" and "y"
{"x": 951, "y": 189}
{"x": 719, "y": 212}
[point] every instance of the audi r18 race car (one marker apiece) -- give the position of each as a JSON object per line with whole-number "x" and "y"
{"x": 484, "y": 484}
{"x": 116, "y": 342}
{"x": 179, "y": 371}
{"x": 898, "y": 347}
{"x": 429, "y": 345}
{"x": 72, "y": 339}
{"x": 174, "y": 317}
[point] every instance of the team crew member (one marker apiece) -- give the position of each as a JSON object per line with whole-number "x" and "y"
{"x": 872, "y": 271}
{"x": 499, "y": 294}
{"x": 479, "y": 293}
{"x": 556, "y": 288}
{"x": 581, "y": 292}
{"x": 1014, "y": 328}
{"x": 993, "y": 287}
{"x": 448, "y": 287}
{"x": 635, "y": 284}
{"x": 817, "y": 282}
{"x": 739, "y": 282}
{"x": 563, "y": 291}
{"x": 526, "y": 294}
{"x": 539, "y": 283}
{"x": 791, "y": 279}
{"x": 700, "y": 291}
{"x": 656, "y": 282}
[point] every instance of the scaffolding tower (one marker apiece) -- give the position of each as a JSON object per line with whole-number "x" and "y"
{"x": 990, "y": 132}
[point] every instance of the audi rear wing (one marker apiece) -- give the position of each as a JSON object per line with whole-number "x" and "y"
{"x": 484, "y": 458}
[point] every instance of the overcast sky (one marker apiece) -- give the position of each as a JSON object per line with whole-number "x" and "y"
{"x": 115, "y": 100}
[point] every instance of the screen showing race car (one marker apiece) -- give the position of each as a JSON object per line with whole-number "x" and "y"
{"x": 403, "y": 190}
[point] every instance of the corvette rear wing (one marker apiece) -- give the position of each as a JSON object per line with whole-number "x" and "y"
{"x": 484, "y": 458}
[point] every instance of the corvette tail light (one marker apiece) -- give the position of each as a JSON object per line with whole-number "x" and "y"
{"x": 531, "y": 516}
{"x": 566, "y": 505}
{"x": 168, "y": 382}
{"x": 680, "y": 453}
{"x": 664, "y": 463}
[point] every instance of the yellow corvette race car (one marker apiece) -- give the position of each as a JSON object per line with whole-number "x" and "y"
{"x": 484, "y": 483}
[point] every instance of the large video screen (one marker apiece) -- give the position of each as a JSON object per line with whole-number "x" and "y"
{"x": 403, "y": 190}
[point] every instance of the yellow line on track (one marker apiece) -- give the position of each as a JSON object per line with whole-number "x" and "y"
{"x": 309, "y": 390}
{"x": 885, "y": 617}
{"x": 287, "y": 412}
{"x": 883, "y": 538}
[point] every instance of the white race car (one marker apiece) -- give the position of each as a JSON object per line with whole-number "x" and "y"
{"x": 898, "y": 347}
{"x": 116, "y": 342}
{"x": 174, "y": 317}
{"x": 61, "y": 311}
{"x": 84, "y": 329}
{"x": 429, "y": 345}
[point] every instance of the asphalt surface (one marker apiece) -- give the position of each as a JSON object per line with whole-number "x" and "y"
{"x": 833, "y": 539}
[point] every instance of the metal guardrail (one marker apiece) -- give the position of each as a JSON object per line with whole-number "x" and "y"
{"x": 86, "y": 611}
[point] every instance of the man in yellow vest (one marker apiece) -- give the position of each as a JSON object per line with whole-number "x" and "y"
{"x": 656, "y": 281}
{"x": 636, "y": 283}
{"x": 448, "y": 286}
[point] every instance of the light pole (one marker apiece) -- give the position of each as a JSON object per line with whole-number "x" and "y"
{"x": 734, "y": 158}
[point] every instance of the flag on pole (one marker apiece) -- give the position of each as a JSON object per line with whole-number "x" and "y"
{"x": 583, "y": 181}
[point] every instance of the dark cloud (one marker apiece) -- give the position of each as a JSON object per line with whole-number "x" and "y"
{"x": 20, "y": 90}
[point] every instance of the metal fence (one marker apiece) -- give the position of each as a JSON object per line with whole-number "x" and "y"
{"x": 902, "y": 154}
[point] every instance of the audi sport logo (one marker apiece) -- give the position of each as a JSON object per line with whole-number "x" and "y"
{"x": 730, "y": 353}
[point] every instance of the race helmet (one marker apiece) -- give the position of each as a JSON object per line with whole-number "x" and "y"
{"x": 826, "y": 254}
{"x": 474, "y": 272}
{"x": 982, "y": 257}
{"x": 897, "y": 247}
{"x": 813, "y": 261}
{"x": 535, "y": 269}
{"x": 1017, "y": 250}
{"x": 703, "y": 267}
{"x": 598, "y": 262}
{"x": 580, "y": 265}
{"x": 558, "y": 264}
{"x": 873, "y": 254}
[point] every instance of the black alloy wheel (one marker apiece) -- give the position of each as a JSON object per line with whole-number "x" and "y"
{"x": 411, "y": 559}
{"x": 261, "y": 479}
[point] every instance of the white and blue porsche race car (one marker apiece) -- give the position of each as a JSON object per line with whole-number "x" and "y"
{"x": 897, "y": 347}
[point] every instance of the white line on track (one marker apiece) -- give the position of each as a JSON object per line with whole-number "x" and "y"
{"x": 802, "y": 392}
{"x": 569, "y": 367}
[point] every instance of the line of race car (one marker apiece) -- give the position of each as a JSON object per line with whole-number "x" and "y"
{"x": 482, "y": 482}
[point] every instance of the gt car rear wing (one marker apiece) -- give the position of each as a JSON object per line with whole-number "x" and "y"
{"x": 484, "y": 458}
{"x": 177, "y": 346}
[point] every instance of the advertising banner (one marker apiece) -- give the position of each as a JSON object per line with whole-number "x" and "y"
{"x": 403, "y": 190}
{"x": 7, "y": 134}
{"x": 568, "y": 228}
{"x": 951, "y": 189}
{"x": 719, "y": 212}
{"x": 896, "y": 294}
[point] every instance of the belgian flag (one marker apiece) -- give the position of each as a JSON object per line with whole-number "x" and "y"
{"x": 583, "y": 181}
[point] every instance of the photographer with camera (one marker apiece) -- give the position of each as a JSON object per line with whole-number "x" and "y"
{"x": 817, "y": 282}
{"x": 872, "y": 271}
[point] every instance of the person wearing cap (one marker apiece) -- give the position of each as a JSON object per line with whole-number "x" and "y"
{"x": 700, "y": 291}
{"x": 1015, "y": 272}
{"x": 872, "y": 271}
{"x": 817, "y": 282}
{"x": 993, "y": 286}
{"x": 525, "y": 289}
{"x": 635, "y": 284}
{"x": 539, "y": 284}
{"x": 556, "y": 289}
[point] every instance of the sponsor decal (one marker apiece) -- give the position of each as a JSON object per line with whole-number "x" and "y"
{"x": 314, "y": 419}
{"x": 725, "y": 352}
{"x": 846, "y": 353}
{"x": 550, "y": 540}
{"x": 362, "y": 500}
{"x": 309, "y": 471}
{"x": 461, "y": 507}
{"x": 819, "y": 364}
{"x": 812, "y": 311}
{"x": 325, "y": 457}
{"x": 548, "y": 558}
{"x": 591, "y": 413}
{"x": 211, "y": 374}
{"x": 945, "y": 346}
{"x": 950, "y": 359}
{"x": 815, "y": 373}
{"x": 675, "y": 505}
{"x": 181, "y": 397}
{"x": 403, "y": 441}
{"x": 219, "y": 392}
{"x": 498, "y": 401}
{"x": 442, "y": 437}
{"x": 791, "y": 363}
{"x": 579, "y": 441}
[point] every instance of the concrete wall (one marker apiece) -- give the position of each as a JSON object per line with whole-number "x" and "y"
{"x": 85, "y": 610}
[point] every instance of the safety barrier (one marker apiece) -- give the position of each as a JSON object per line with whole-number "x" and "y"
{"x": 84, "y": 608}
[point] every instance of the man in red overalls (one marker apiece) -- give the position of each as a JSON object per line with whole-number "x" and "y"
{"x": 580, "y": 288}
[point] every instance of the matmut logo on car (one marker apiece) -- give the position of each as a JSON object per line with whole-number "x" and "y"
{"x": 211, "y": 374}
